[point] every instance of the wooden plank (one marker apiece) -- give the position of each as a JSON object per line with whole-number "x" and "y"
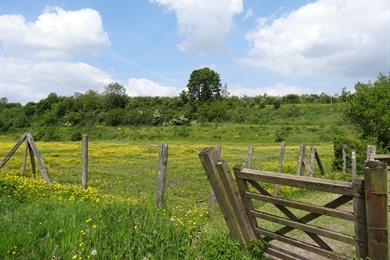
{"x": 213, "y": 199}
{"x": 339, "y": 187}
{"x": 12, "y": 151}
{"x": 360, "y": 224}
{"x": 320, "y": 166}
{"x": 84, "y": 162}
{"x": 344, "y": 155}
{"x": 375, "y": 176}
{"x": 311, "y": 216}
{"x": 249, "y": 158}
{"x": 227, "y": 196}
{"x": 302, "y": 206}
{"x": 280, "y": 165}
{"x": 300, "y": 244}
{"x": 41, "y": 164}
{"x": 301, "y": 159}
{"x": 312, "y": 161}
{"x": 305, "y": 227}
{"x": 25, "y": 151}
{"x": 282, "y": 253}
{"x": 290, "y": 215}
{"x": 162, "y": 173}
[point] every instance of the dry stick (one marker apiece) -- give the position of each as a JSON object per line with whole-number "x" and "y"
{"x": 162, "y": 173}
{"x": 301, "y": 164}
{"x": 375, "y": 176}
{"x": 344, "y": 159}
{"x": 213, "y": 199}
{"x": 353, "y": 156}
{"x": 280, "y": 166}
{"x": 25, "y": 151}
{"x": 249, "y": 158}
{"x": 312, "y": 161}
{"x": 39, "y": 157}
{"x": 322, "y": 171}
{"x": 84, "y": 162}
{"x": 371, "y": 152}
{"x": 13, "y": 150}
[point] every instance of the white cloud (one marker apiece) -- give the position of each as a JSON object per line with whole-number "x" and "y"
{"x": 203, "y": 23}
{"x": 279, "y": 89}
{"x": 55, "y": 33}
{"x": 347, "y": 38}
{"x": 145, "y": 87}
{"x": 40, "y": 57}
{"x": 24, "y": 80}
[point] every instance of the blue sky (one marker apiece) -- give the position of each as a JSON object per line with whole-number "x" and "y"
{"x": 151, "y": 47}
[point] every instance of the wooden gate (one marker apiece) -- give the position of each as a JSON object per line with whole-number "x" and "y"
{"x": 369, "y": 214}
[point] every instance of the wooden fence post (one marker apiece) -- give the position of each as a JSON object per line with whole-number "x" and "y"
{"x": 312, "y": 161}
{"x": 280, "y": 166}
{"x": 301, "y": 159}
{"x": 25, "y": 151}
{"x": 249, "y": 158}
{"x": 371, "y": 152}
{"x": 213, "y": 199}
{"x": 322, "y": 171}
{"x": 227, "y": 196}
{"x": 375, "y": 175}
{"x": 360, "y": 223}
{"x": 344, "y": 158}
{"x": 84, "y": 162}
{"x": 162, "y": 173}
{"x": 353, "y": 156}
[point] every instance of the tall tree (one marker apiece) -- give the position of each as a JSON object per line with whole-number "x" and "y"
{"x": 369, "y": 109}
{"x": 115, "y": 96}
{"x": 204, "y": 85}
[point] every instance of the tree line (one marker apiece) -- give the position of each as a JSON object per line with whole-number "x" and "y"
{"x": 205, "y": 99}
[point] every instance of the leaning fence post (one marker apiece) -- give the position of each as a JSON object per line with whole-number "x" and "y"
{"x": 227, "y": 196}
{"x": 320, "y": 166}
{"x": 25, "y": 151}
{"x": 213, "y": 199}
{"x": 301, "y": 165}
{"x": 280, "y": 165}
{"x": 84, "y": 161}
{"x": 375, "y": 175}
{"x": 162, "y": 173}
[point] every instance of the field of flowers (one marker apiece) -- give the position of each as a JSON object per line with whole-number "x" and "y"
{"x": 115, "y": 216}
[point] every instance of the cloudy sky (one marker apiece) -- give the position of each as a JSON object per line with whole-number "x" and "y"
{"x": 151, "y": 46}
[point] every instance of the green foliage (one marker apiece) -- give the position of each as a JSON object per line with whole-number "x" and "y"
{"x": 115, "y": 96}
{"x": 360, "y": 146}
{"x": 369, "y": 109}
{"x": 256, "y": 249}
{"x": 204, "y": 85}
{"x": 220, "y": 246}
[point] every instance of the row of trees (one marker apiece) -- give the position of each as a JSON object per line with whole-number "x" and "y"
{"x": 205, "y": 99}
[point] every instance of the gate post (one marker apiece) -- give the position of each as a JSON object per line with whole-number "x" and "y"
{"x": 375, "y": 176}
{"x": 221, "y": 181}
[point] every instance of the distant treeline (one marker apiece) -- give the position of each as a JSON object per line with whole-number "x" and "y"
{"x": 113, "y": 108}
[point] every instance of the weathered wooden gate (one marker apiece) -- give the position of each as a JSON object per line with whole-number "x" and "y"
{"x": 369, "y": 215}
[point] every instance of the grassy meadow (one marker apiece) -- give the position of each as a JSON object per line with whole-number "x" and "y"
{"x": 116, "y": 217}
